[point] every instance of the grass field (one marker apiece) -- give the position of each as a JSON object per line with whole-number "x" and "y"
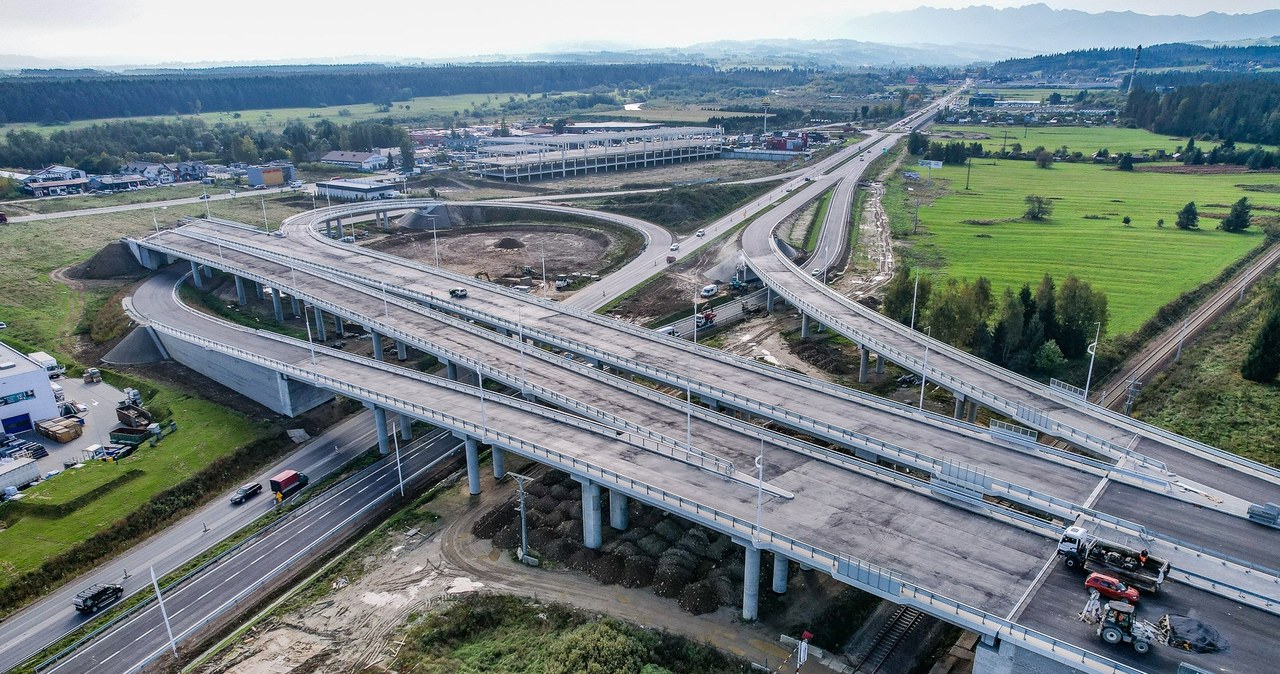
{"x": 206, "y": 431}
{"x": 678, "y": 115}
{"x": 1140, "y": 267}
{"x": 1082, "y": 138}
{"x": 1204, "y": 396}
{"x": 276, "y": 118}
{"x": 83, "y": 201}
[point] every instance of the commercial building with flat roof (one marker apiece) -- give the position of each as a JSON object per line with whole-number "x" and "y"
{"x": 25, "y": 395}
{"x": 354, "y": 190}
{"x": 538, "y": 157}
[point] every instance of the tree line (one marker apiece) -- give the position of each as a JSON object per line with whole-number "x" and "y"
{"x": 102, "y": 148}
{"x": 1101, "y": 62}
{"x": 61, "y": 99}
{"x": 1242, "y": 109}
{"x": 1029, "y": 331}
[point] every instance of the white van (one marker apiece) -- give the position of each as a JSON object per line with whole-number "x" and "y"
{"x": 710, "y": 291}
{"x": 47, "y": 362}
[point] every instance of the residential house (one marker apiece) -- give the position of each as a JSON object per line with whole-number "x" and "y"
{"x": 192, "y": 170}
{"x": 116, "y": 183}
{"x": 55, "y": 180}
{"x": 155, "y": 173}
{"x": 361, "y": 161}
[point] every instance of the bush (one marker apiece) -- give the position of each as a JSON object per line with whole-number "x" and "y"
{"x": 596, "y": 648}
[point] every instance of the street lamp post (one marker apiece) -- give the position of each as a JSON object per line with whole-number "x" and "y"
{"x": 1093, "y": 353}
{"x": 915, "y": 295}
{"x": 924, "y": 371}
{"x": 310, "y": 344}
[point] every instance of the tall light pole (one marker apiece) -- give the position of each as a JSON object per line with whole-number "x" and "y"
{"x": 755, "y": 535}
{"x": 524, "y": 528}
{"x": 264, "y": 216}
{"x": 395, "y": 439}
{"x": 524, "y": 379}
{"x": 544, "y": 270}
{"x": 310, "y": 343}
{"x": 435, "y": 244}
{"x": 915, "y": 294}
{"x": 924, "y": 371}
{"x": 1093, "y": 353}
{"x": 688, "y": 383}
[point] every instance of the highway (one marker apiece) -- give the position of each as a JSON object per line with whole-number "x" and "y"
{"x": 28, "y": 631}
{"x": 232, "y": 583}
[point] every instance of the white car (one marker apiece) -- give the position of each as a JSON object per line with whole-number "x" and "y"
{"x": 702, "y": 232}
{"x": 675, "y": 246}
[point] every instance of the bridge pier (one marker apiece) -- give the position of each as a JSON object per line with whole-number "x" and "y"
{"x": 297, "y": 309}
{"x": 864, "y": 362}
{"x": 402, "y": 350}
{"x": 208, "y": 271}
{"x": 499, "y": 458}
{"x": 195, "y": 275}
{"x": 879, "y": 363}
{"x": 241, "y": 298}
{"x": 380, "y": 427}
{"x": 406, "y": 428}
{"x": 451, "y": 370}
{"x": 768, "y": 300}
{"x": 320, "y": 333}
{"x": 377, "y": 343}
{"x": 750, "y": 581}
{"x": 779, "y": 574}
{"x": 960, "y": 407}
{"x": 804, "y": 326}
{"x": 592, "y": 535}
{"x": 257, "y": 291}
{"x": 973, "y": 412}
{"x": 339, "y": 326}
{"x": 473, "y": 465}
{"x": 618, "y": 510}
{"x": 277, "y": 305}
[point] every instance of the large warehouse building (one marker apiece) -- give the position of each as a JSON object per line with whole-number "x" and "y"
{"x": 25, "y": 395}
{"x": 539, "y": 157}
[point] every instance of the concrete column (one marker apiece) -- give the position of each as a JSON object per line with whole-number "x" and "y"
{"x": 406, "y": 428}
{"x": 276, "y": 304}
{"x": 402, "y": 350}
{"x": 879, "y": 363}
{"x": 451, "y": 371}
{"x": 257, "y": 291}
{"x": 768, "y": 300}
{"x": 779, "y": 574}
{"x": 499, "y": 459}
{"x": 328, "y": 228}
{"x": 617, "y": 510}
{"x": 195, "y": 275}
{"x": 339, "y": 326}
{"x": 241, "y": 298}
{"x": 591, "y": 533}
{"x": 960, "y": 405}
{"x": 377, "y": 344}
{"x": 804, "y": 326}
{"x": 320, "y": 333}
{"x": 973, "y": 411}
{"x": 380, "y": 424}
{"x": 863, "y": 363}
{"x": 208, "y": 271}
{"x": 297, "y": 308}
{"x": 751, "y": 582}
{"x": 473, "y": 466}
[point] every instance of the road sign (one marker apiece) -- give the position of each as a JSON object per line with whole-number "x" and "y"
{"x": 929, "y": 164}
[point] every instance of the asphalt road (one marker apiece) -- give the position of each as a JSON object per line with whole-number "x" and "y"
{"x": 31, "y": 629}
{"x": 348, "y": 504}
{"x": 239, "y": 194}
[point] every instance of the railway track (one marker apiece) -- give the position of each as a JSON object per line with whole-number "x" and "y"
{"x": 1140, "y": 368}
{"x": 904, "y": 620}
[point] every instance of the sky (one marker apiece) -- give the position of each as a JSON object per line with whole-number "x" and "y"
{"x": 120, "y": 32}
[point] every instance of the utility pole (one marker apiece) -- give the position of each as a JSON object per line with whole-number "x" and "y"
{"x": 524, "y": 527}
{"x": 1181, "y": 336}
{"x": 968, "y": 171}
{"x": 395, "y": 438}
{"x": 915, "y": 295}
{"x": 1093, "y": 353}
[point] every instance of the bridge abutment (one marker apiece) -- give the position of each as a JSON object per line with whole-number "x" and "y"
{"x": 1004, "y": 657}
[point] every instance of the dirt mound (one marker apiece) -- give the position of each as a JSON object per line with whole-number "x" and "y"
{"x": 1192, "y": 635}
{"x": 112, "y": 262}
{"x": 508, "y": 243}
{"x": 823, "y": 355}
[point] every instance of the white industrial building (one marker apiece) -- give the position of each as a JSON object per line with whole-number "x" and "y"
{"x": 25, "y": 395}
{"x": 537, "y": 157}
{"x": 355, "y": 190}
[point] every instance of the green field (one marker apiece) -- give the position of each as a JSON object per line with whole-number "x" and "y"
{"x": 1140, "y": 267}
{"x": 678, "y": 115}
{"x": 206, "y": 431}
{"x": 275, "y": 118}
{"x": 1077, "y": 138}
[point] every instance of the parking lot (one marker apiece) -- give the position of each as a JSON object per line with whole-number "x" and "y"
{"x": 99, "y": 418}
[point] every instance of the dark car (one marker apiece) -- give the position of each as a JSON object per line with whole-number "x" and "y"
{"x": 96, "y": 597}
{"x": 246, "y": 492}
{"x": 458, "y": 293}
{"x": 1111, "y": 588}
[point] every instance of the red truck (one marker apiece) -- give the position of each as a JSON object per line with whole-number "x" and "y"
{"x": 287, "y": 482}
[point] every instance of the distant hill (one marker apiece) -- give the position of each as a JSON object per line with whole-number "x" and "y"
{"x": 1044, "y": 30}
{"x": 1089, "y": 63}
{"x": 833, "y": 53}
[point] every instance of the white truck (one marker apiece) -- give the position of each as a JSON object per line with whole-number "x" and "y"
{"x": 1080, "y": 549}
{"x": 47, "y": 362}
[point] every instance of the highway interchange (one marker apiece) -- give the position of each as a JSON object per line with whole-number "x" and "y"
{"x": 813, "y": 491}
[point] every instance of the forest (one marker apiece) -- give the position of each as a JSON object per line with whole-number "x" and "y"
{"x": 1119, "y": 61}
{"x": 53, "y": 99}
{"x": 1245, "y": 109}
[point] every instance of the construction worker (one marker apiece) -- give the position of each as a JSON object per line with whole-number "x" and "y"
{"x": 1142, "y": 557}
